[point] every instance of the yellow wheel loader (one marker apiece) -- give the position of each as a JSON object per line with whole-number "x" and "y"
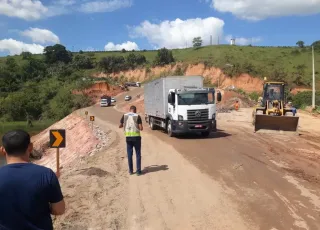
{"x": 271, "y": 113}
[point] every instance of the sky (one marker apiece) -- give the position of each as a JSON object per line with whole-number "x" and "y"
{"x": 31, "y": 25}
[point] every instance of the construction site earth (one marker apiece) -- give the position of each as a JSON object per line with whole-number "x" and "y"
{"x": 233, "y": 179}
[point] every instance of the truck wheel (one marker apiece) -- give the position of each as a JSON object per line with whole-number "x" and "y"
{"x": 205, "y": 134}
{"x": 169, "y": 129}
{"x": 151, "y": 123}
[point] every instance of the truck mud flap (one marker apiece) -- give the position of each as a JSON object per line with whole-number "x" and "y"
{"x": 280, "y": 123}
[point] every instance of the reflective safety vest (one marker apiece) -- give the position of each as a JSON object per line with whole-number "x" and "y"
{"x": 131, "y": 127}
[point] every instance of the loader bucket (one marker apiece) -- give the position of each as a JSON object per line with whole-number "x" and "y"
{"x": 280, "y": 123}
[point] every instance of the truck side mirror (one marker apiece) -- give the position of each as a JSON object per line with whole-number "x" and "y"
{"x": 219, "y": 96}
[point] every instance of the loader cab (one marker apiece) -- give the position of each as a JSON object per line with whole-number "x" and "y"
{"x": 273, "y": 91}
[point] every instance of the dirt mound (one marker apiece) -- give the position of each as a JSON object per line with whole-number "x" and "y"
{"x": 99, "y": 89}
{"x": 229, "y": 98}
{"x": 80, "y": 141}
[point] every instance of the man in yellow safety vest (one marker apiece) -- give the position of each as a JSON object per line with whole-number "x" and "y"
{"x": 132, "y": 124}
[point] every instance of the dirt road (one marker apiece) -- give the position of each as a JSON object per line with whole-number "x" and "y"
{"x": 233, "y": 180}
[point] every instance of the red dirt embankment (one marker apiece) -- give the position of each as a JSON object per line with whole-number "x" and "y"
{"x": 99, "y": 89}
{"x": 215, "y": 75}
{"x": 80, "y": 141}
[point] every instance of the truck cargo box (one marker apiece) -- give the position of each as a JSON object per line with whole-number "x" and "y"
{"x": 156, "y": 92}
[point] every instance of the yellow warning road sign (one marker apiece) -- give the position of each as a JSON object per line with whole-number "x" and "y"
{"x": 58, "y": 138}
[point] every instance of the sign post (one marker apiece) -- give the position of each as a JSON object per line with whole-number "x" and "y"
{"x": 86, "y": 113}
{"x": 92, "y": 120}
{"x": 57, "y": 141}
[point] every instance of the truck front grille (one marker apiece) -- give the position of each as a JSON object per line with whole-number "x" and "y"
{"x": 198, "y": 115}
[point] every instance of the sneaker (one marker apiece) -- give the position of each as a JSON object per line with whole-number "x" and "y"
{"x": 138, "y": 173}
{"x": 131, "y": 173}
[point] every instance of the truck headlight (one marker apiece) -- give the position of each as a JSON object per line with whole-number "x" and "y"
{"x": 213, "y": 116}
{"x": 180, "y": 118}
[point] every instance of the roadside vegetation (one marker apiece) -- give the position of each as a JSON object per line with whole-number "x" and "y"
{"x": 36, "y": 91}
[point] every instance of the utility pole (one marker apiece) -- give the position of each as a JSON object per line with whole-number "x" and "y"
{"x": 313, "y": 82}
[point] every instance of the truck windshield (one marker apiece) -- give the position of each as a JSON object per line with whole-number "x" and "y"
{"x": 195, "y": 98}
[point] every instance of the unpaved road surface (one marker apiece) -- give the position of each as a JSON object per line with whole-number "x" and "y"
{"x": 235, "y": 179}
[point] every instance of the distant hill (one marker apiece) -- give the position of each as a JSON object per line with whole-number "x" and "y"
{"x": 292, "y": 64}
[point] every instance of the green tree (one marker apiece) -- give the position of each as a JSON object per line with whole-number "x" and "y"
{"x": 197, "y": 42}
{"x": 164, "y": 57}
{"x": 11, "y": 64}
{"x": 26, "y": 55}
{"x": 134, "y": 60}
{"x": 57, "y": 53}
{"x": 112, "y": 64}
{"x": 299, "y": 74}
{"x": 8, "y": 82}
{"x": 316, "y": 45}
{"x": 34, "y": 69}
{"x": 83, "y": 62}
{"x": 278, "y": 74}
{"x": 300, "y": 44}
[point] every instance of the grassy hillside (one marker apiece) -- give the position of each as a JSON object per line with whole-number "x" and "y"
{"x": 292, "y": 64}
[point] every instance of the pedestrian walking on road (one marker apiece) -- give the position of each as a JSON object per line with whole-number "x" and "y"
{"x": 29, "y": 193}
{"x": 132, "y": 124}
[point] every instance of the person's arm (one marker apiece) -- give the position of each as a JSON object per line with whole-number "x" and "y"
{"x": 140, "y": 123}
{"x": 121, "y": 122}
{"x": 57, "y": 204}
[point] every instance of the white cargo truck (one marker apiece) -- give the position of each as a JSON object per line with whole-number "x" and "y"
{"x": 180, "y": 104}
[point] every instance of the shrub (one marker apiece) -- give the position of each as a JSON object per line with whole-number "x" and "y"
{"x": 164, "y": 57}
{"x": 303, "y": 99}
{"x": 254, "y": 96}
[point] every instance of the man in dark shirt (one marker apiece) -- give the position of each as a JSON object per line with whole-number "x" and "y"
{"x": 132, "y": 124}
{"x": 29, "y": 193}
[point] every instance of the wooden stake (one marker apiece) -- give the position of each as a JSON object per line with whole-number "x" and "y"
{"x": 58, "y": 161}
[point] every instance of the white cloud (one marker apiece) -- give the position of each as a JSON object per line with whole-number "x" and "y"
{"x": 16, "y": 47}
{"x": 104, "y": 6}
{"x": 257, "y": 10}
{"x": 35, "y": 10}
{"x": 24, "y": 9}
{"x": 126, "y": 45}
{"x": 243, "y": 41}
{"x": 179, "y": 33}
{"x": 42, "y": 36}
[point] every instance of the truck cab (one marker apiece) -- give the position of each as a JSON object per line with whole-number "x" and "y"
{"x": 192, "y": 110}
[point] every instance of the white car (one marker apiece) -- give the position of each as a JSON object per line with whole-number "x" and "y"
{"x": 104, "y": 102}
{"x": 113, "y": 100}
{"x": 127, "y": 98}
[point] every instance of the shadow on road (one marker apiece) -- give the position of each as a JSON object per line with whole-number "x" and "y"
{"x": 154, "y": 168}
{"x": 220, "y": 133}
